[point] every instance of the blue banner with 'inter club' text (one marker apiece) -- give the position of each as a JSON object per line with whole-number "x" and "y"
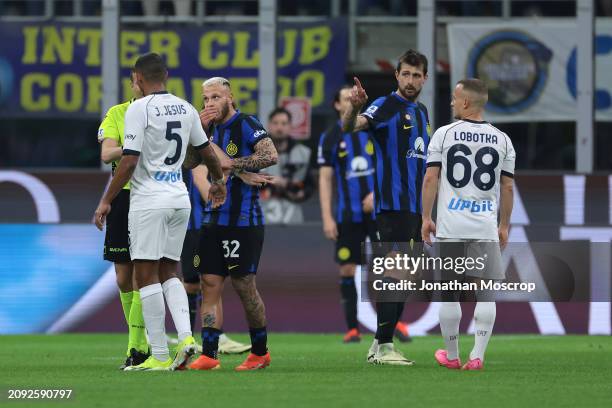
{"x": 52, "y": 69}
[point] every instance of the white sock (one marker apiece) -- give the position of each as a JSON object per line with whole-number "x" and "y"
{"x": 484, "y": 319}
{"x": 154, "y": 314}
{"x": 450, "y": 317}
{"x": 176, "y": 299}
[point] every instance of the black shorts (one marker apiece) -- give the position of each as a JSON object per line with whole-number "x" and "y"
{"x": 398, "y": 226}
{"x": 350, "y": 237}
{"x": 116, "y": 240}
{"x": 190, "y": 256}
{"x": 230, "y": 250}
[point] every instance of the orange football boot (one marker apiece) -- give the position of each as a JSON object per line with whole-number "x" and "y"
{"x": 205, "y": 363}
{"x": 255, "y": 362}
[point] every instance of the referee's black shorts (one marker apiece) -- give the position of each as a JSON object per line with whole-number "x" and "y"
{"x": 116, "y": 240}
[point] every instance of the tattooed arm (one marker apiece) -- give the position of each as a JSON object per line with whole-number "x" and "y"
{"x": 265, "y": 155}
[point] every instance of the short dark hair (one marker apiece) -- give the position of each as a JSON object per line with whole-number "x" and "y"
{"x": 337, "y": 94}
{"x": 279, "y": 110}
{"x": 414, "y": 58}
{"x": 152, "y": 67}
{"x": 474, "y": 85}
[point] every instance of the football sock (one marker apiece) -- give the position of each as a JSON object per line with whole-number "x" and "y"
{"x": 210, "y": 341}
{"x": 386, "y": 317}
{"x": 176, "y": 299}
{"x": 450, "y": 317}
{"x": 484, "y": 319}
{"x": 349, "y": 301}
{"x": 138, "y": 335}
{"x": 259, "y": 341}
{"x": 192, "y": 299}
{"x": 154, "y": 314}
{"x": 126, "y": 304}
{"x": 400, "y": 310}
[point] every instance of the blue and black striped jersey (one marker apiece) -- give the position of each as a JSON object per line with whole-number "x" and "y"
{"x": 197, "y": 203}
{"x": 237, "y": 137}
{"x": 400, "y": 132}
{"x": 350, "y": 154}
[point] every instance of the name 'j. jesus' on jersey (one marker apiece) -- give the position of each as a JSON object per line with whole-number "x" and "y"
{"x": 158, "y": 128}
{"x": 473, "y": 155}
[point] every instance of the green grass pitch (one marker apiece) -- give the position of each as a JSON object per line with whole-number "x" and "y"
{"x": 316, "y": 371}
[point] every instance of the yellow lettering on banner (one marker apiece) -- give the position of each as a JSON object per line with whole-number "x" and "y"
{"x": 196, "y": 93}
{"x": 241, "y": 51}
{"x": 290, "y": 41}
{"x": 94, "y": 94}
{"x": 166, "y": 44}
{"x": 68, "y": 84}
{"x": 207, "y": 59}
{"x": 28, "y": 82}
{"x": 242, "y": 89}
{"x": 126, "y": 89}
{"x": 284, "y": 86}
{"x": 56, "y": 45}
{"x": 92, "y": 39}
{"x": 129, "y": 49}
{"x": 314, "y": 80}
{"x": 30, "y": 35}
{"x": 175, "y": 86}
{"x": 315, "y": 44}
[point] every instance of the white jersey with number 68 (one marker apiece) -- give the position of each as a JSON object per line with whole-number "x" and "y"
{"x": 472, "y": 156}
{"x": 158, "y": 128}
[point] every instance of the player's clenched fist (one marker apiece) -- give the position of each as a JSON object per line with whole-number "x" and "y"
{"x": 358, "y": 95}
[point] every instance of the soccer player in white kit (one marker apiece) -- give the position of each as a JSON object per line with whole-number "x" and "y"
{"x": 473, "y": 163}
{"x": 158, "y": 128}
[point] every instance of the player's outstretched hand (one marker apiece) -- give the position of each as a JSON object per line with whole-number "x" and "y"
{"x": 100, "y": 214}
{"x": 503, "y": 236}
{"x": 428, "y": 228}
{"x": 255, "y": 179}
{"x": 216, "y": 195}
{"x": 358, "y": 96}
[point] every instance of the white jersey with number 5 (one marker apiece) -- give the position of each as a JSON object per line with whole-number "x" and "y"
{"x": 158, "y": 128}
{"x": 472, "y": 157}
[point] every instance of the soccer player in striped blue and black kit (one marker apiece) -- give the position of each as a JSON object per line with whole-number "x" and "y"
{"x": 232, "y": 235}
{"x": 400, "y": 133}
{"x": 347, "y": 158}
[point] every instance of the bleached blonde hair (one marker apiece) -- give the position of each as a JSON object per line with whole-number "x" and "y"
{"x": 216, "y": 81}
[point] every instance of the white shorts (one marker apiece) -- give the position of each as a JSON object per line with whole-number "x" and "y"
{"x": 156, "y": 234}
{"x": 487, "y": 250}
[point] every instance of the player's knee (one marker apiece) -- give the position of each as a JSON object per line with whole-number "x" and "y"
{"x": 123, "y": 275}
{"x": 347, "y": 270}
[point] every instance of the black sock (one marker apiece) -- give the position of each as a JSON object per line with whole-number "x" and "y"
{"x": 210, "y": 341}
{"x": 386, "y": 313}
{"x": 400, "y": 310}
{"x": 386, "y": 316}
{"x": 192, "y": 300}
{"x": 259, "y": 341}
{"x": 349, "y": 301}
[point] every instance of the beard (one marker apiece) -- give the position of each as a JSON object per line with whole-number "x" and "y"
{"x": 415, "y": 94}
{"x": 222, "y": 113}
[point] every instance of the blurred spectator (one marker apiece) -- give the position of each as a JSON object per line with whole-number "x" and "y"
{"x": 293, "y": 182}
